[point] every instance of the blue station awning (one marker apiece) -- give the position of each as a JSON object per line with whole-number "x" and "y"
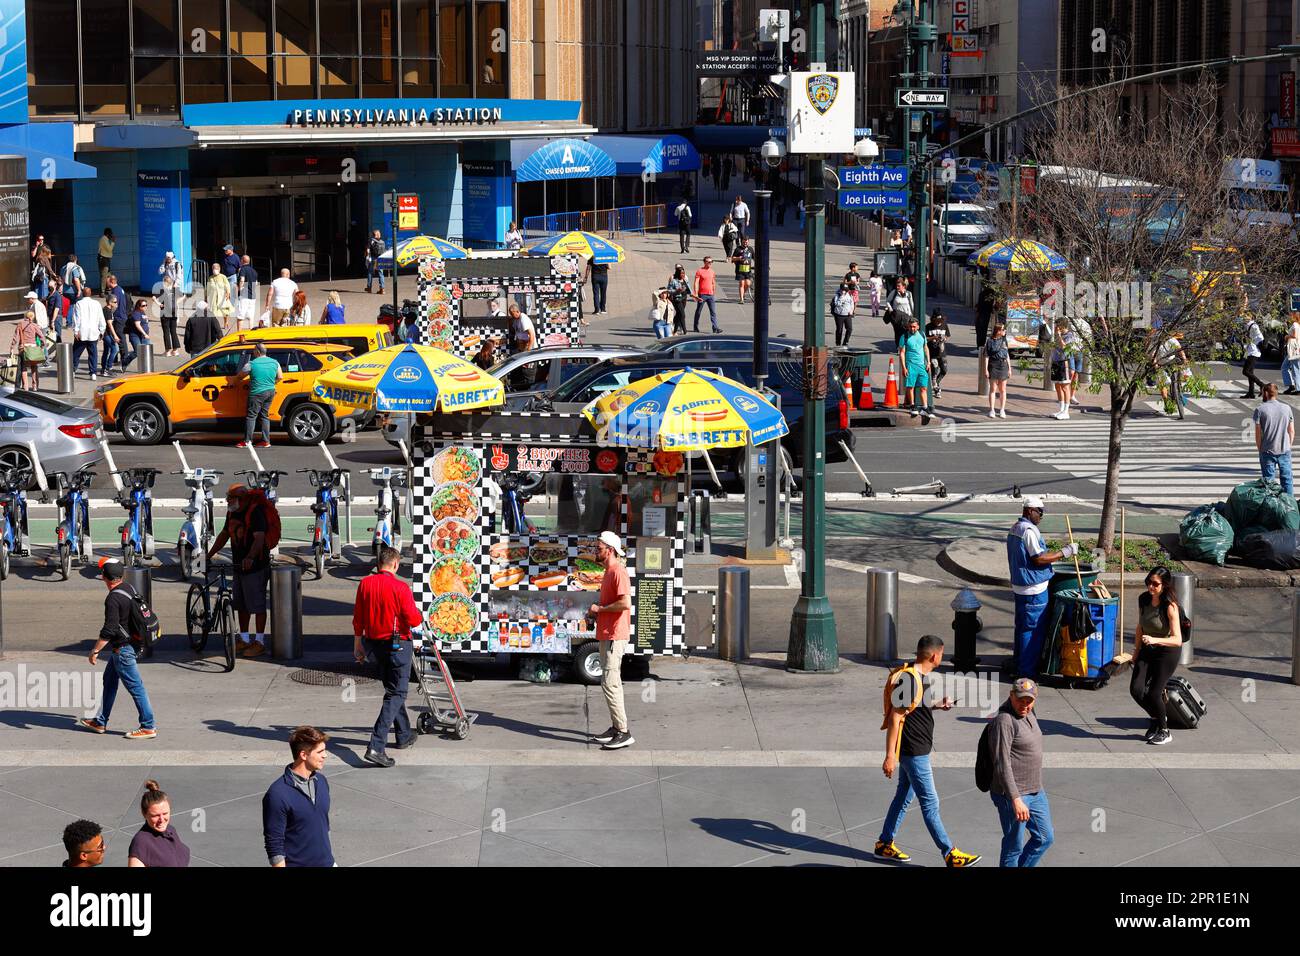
{"x": 49, "y": 148}
{"x": 635, "y": 155}
{"x": 559, "y": 159}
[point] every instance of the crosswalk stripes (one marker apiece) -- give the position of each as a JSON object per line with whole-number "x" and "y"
{"x": 1192, "y": 462}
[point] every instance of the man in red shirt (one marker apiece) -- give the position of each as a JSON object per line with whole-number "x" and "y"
{"x": 613, "y": 626}
{"x": 383, "y": 616}
{"x": 706, "y": 290}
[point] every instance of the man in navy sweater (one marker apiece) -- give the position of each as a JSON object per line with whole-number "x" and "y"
{"x": 296, "y": 808}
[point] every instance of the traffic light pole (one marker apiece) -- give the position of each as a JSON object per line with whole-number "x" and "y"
{"x": 813, "y": 647}
{"x": 396, "y": 312}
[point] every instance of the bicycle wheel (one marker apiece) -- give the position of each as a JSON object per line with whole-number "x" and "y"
{"x": 319, "y": 550}
{"x": 226, "y": 626}
{"x": 184, "y": 558}
{"x": 196, "y": 617}
{"x": 4, "y": 560}
{"x": 128, "y": 555}
{"x": 65, "y": 560}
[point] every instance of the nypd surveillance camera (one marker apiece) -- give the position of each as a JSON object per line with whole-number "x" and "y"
{"x": 773, "y": 152}
{"x": 866, "y": 150}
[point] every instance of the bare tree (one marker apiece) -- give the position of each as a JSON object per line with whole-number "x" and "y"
{"x": 1159, "y": 266}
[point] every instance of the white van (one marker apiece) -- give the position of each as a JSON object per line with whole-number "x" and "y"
{"x": 961, "y": 228}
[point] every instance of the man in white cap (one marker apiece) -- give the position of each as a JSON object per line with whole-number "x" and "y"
{"x": 1031, "y": 569}
{"x": 38, "y": 309}
{"x": 171, "y": 269}
{"x": 613, "y": 626}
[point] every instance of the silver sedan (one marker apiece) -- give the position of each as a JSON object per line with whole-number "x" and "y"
{"x": 66, "y": 436}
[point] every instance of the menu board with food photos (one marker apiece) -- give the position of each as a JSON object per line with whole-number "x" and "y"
{"x": 485, "y": 590}
{"x": 553, "y": 303}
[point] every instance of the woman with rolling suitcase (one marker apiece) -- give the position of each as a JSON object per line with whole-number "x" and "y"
{"x": 1158, "y": 640}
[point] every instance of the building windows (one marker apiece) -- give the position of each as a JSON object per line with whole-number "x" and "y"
{"x": 454, "y": 44}
{"x": 104, "y": 58}
{"x": 492, "y": 39}
{"x": 156, "y": 92}
{"x": 52, "y": 60}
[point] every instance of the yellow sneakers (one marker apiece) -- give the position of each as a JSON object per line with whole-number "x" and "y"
{"x": 956, "y": 858}
{"x": 890, "y": 851}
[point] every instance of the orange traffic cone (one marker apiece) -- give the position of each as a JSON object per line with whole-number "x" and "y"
{"x": 865, "y": 402}
{"x": 891, "y": 387}
{"x": 848, "y": 389}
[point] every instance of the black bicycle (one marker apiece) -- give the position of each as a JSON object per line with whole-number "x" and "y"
{"x": 206, "y": 612}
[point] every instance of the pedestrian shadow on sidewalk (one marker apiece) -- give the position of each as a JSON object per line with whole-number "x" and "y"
{"x": 41, "y": 719}
{"x": 487, "y": 718}
{"x": 769, "y": 838}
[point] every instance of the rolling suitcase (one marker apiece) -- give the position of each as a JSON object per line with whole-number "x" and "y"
{"x": 1185, "y": 706}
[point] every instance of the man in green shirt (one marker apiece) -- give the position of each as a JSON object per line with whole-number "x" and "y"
{"x": 914, "y": 358}
{"x": 263, "y": 372}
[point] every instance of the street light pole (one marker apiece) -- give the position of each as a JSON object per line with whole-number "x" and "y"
{"x": 396, "y": 312}
{"x": 813, "y": 647}
{"x": 922, "y": 33}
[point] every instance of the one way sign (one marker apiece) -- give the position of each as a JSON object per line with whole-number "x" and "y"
{"x": 922, "y": 99}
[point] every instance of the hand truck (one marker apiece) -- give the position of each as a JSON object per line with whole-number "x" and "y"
{"x": 445, "y": 711}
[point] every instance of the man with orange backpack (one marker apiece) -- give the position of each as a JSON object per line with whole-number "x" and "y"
{"x": 909, "y": 738}
{"x": 253, "y": 529}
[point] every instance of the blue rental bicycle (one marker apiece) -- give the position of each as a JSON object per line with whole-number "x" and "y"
{"x": 72, "y": 536}
{"x": 325, "y": 540}
{"x": 268, "y": 482}
{"x": 14, "y": 537}
{"x": 388, "y": 510}
{"x": 137, "y": 499}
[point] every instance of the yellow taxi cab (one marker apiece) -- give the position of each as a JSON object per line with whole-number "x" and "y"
{"x": 359, "y": 338}
{"x": 210, "y": 392}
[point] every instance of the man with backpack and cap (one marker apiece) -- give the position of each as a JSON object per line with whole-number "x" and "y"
{"x": 253, "y": 529}
{"x": 909, "y": 739}
{"x": 1030, "y": 564}
{"x": 1009, "y": 768}
{"x": 129, "y": 626}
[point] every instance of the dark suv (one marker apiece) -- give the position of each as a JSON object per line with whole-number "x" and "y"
{"x": 785, "y": 377}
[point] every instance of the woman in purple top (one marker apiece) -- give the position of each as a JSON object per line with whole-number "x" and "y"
{"x": 157, "y": 843}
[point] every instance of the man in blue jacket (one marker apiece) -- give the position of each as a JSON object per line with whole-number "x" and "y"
{"x": 296, "y": 808}
{"x": 1031, "y": 570}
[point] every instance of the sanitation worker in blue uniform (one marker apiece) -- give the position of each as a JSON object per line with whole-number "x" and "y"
{"x": 1031, "y": 570}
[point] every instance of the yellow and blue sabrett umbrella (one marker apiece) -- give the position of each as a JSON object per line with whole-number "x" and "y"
{"x": 598, "y": 250}
{"x": 410, "y": 378}
{"x": 1018, "y": 255}
{"x": 685, "y": 410}
{"x": 417, "y": 247}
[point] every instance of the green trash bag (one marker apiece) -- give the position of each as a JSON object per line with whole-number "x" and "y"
{"x": 1205, "y": 535}
{"x": 1261, "y": 506}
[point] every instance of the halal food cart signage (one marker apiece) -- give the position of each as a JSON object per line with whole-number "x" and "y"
{"x": 494, "y": 289}
{"x": 557, "y": 459}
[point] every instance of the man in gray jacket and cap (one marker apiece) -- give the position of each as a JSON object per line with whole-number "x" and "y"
{"x": 1016, "y": 748}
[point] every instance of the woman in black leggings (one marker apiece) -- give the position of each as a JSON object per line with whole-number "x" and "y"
{"x": 1158, "y": 639}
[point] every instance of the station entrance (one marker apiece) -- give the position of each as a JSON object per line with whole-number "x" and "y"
{"x": 310, "y": 232}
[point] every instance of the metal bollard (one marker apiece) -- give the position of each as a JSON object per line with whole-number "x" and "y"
{"x": 144, "y": 358}
{"x": 733, "y": 613}
{"x": 286, "y": 612}
{"x": 882, "y": 615}
{"x": 141, "y": 582}
{"x": 1185, "y": 595}
{"x": 1295, "y": 638}
{"x": 63, "y": 370}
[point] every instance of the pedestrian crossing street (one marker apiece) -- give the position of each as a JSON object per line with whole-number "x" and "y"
{"x": 1163, "y": 462}
{"x": 1227, "y": 401}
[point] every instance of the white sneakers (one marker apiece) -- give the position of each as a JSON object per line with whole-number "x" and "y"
{"x": 1062, "y": 416}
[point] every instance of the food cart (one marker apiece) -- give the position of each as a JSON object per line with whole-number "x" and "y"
{"x": 1024, "y": 319}
{"x": 497, "y": 575}
{"x": 464, "y": 301}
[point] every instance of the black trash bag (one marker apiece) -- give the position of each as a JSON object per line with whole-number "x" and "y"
{"x": 1261, "y": 504}
{"x": 1205, "y": 535}
{"x": 1274, "y": 550}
